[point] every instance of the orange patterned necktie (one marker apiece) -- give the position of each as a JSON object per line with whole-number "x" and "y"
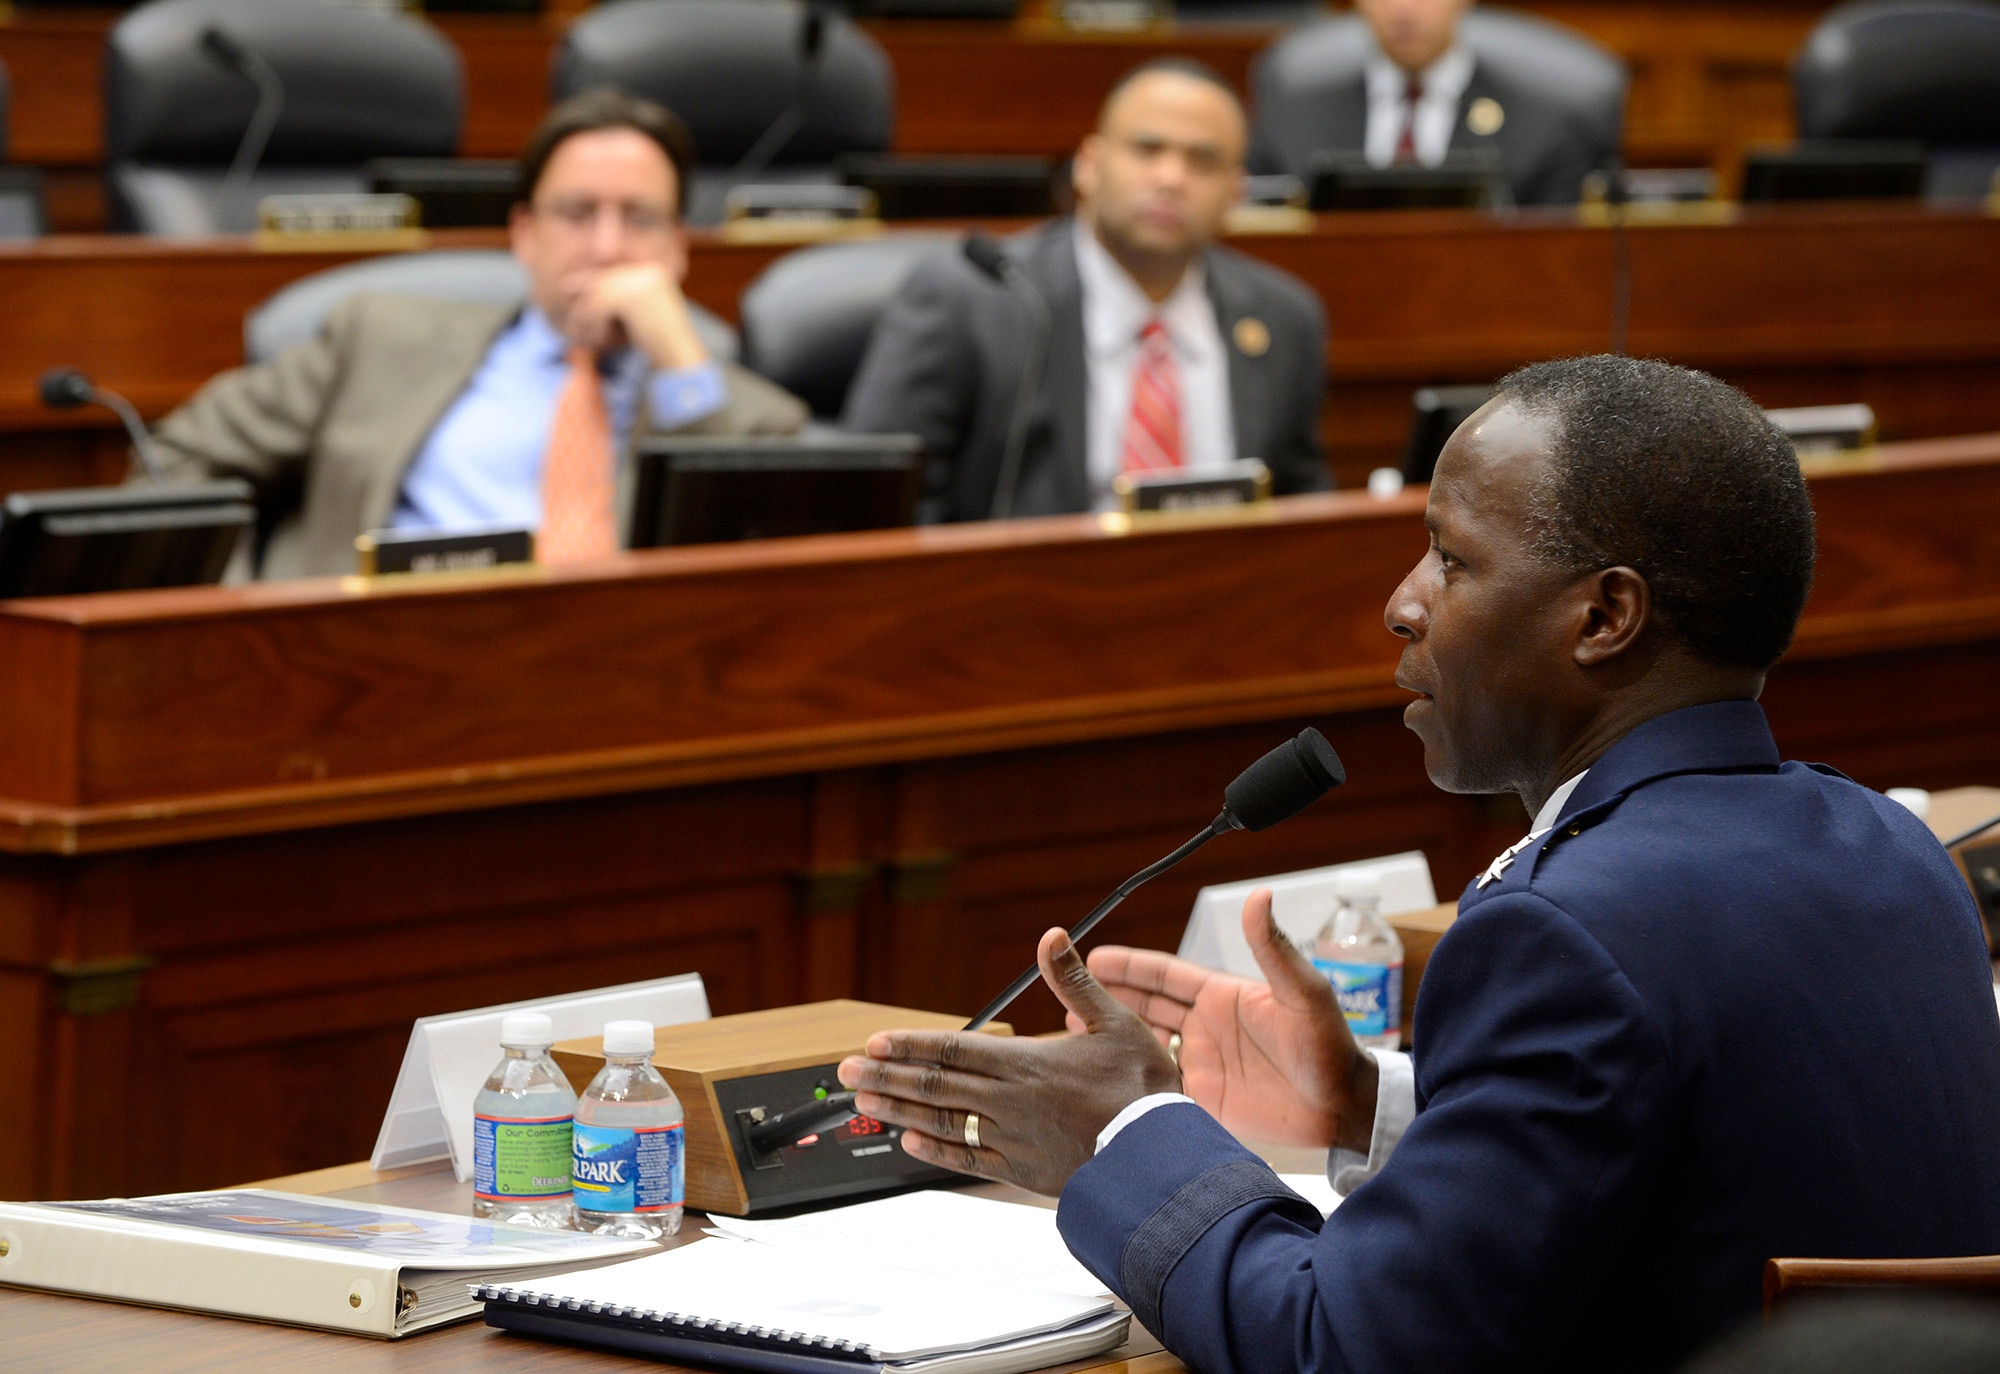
{"x": 577, "y": 482}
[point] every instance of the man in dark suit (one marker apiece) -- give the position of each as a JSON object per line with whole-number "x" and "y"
{"x": 1421, "y": 93}
{"x": 1165, "y": 352}
{"x": 1714, "y": 1009}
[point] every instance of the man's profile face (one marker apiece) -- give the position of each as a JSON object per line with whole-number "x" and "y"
{"x": 1413, "y": 33}
{"x": 1487, "y": 632}
{"x": 1163, "y": 168}
{"x": 607, "y": 198}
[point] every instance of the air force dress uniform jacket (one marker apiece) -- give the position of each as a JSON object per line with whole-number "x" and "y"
{"x": 1728, "y": 1009}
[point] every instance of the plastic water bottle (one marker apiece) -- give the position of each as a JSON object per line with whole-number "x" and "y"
{"x": 1360, "y": 955}
{"x": 521, "y": 1131}
{"x": 629, "y": 1158}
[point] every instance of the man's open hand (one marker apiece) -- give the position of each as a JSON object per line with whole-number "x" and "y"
{"x": 1273, "y": 1062}
{"x": 1040, "y": 1103}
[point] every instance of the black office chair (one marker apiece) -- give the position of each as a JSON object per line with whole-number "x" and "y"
{"x": 730, "y": 69}
{"x": 484, "y": 276}
{"x": 1562, "y": 98}
{"x": 807, "y": 318}
{"x": 357, "y": 84}
{"x": 1922, "y": 70}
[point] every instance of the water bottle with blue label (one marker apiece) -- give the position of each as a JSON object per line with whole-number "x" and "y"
{"x": 521, "y": 1124}
{"x": 628, "y": 1165}
{"x": 1360, "y": 955}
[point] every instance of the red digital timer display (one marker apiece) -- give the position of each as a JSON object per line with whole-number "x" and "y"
{"x": 863, "y": 1125}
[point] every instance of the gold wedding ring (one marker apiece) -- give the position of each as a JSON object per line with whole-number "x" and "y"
{"x": 972, "y": 1129}
{"x": 1174, "y": 1048}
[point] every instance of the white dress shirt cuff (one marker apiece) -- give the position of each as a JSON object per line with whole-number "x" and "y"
{"x": 1395, "y": 1108}
{"x": 1133, "y": 1111}
{"x": 681, "y": 395}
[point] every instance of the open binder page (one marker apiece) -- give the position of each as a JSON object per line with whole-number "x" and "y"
{"x": 857, "y": 1304}
{"x": 935, "y": 1231}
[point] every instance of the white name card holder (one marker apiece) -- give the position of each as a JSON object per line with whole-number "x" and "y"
{"x": 449, "y": 1056}
{"x": 1301, "y": 901}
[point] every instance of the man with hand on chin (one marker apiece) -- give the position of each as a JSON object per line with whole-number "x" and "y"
{"x": 1714, "y": 1009}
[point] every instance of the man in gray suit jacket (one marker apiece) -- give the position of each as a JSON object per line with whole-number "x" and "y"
{"x": 1165, "y": 351}
{"x": 415, "y": 413}
{"x": 1422, "y": 93}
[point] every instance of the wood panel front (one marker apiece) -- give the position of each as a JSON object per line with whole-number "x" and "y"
{"x": 250, "y": 834}
{"x": 1898, "y": 307}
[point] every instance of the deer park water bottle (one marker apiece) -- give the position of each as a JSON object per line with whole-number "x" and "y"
{"x": 521, "y": 1131}
{"x": 629, "y": 1159}
{"x": 1361, "y": 956}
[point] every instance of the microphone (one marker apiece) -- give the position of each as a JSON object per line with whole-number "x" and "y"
{"x": 65, "y": 388}
{"x": 1275, "y": 788}
{"x": 998, "y": 265}
{"x": 232, "y": 53}
{"x": 812, "y": 40}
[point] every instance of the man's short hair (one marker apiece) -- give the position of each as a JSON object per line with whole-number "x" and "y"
{"x": 1681, "y": 477}
{"x": 1176, "y": 66}
{"x": 606, "y": 107}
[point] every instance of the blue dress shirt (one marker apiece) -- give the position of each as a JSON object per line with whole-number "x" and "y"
{"x": 482, "y": 464}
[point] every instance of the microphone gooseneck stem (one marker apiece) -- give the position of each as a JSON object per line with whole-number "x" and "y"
{"x": 135, "y": 428}
{"x": 787, "y": 1128}
{"x": 1956, "y": 840}
{"x": 1082, "y": 928}
{"x": 783, "y": 129}
{"x": 1009, "y": 476}
{"x": 256, "y": 136}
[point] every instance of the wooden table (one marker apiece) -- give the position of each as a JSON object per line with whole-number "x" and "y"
{"x": 1708, "y": 79}
{"x": 48, "y": 1331}
{"x": 1897, "y": 307}
{"x": 248, "y": 834}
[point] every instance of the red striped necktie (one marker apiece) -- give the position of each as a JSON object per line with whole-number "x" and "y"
{"x": 1406, "y": 146}
{"x": 1153, "y": 431}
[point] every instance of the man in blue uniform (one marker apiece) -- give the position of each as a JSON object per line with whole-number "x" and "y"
{"x": 1715, "y": 1008}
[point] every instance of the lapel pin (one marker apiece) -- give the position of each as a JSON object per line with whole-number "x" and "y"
{"x": 1484, "y": 117}
{"x": 1253, "y": 339}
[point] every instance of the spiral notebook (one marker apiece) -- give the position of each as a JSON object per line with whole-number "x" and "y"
{"x": 747, "y": 1306}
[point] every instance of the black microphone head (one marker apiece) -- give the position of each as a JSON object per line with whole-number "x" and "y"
{"x": 983, "y": 251}
{"x": 64, "y": 387}
{"x": 812, "y": 32}
{"x": 218, "y": 43}
{"x": 1284, "y": 782}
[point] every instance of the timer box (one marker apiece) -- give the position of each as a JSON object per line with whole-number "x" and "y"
{"x": 733, "y": 1071}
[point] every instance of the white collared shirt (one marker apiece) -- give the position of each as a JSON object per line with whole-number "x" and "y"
{"x": 1444, "y": 82}
{"x": 1396, "y": 1089}
{"x": 1114, "y": 311}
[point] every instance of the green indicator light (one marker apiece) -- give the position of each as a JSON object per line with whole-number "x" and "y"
{"x": 819, "y": 1094}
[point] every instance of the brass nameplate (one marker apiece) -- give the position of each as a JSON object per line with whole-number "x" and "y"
{"x": 1242, "y": 483}
{"x": 381, "y": 552}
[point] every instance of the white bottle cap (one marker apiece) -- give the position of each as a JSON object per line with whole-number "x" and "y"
{"x": 1383, "y": 482}
{"x": 628, "y": 1037}
{"x": 526, "y": 1030}
{"x": 1915, "y": 798}
{"x": 1358, "y": 885}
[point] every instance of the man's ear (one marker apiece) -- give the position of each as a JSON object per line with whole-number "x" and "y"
{"x": 1083, "y": 167}
{"x": 1617, "y": 607}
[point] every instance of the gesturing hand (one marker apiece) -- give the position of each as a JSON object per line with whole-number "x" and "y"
{"x": 1040, "y": 1103}
{"x": 1271, "y": 1061}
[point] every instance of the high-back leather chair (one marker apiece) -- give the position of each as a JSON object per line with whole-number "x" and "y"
{"x": 807, "y": 318}
{"x": 485, "y": 276}
{"x": 1924, "y": 70}
{"x": 1301, "y": 84}
{"x": 729, "y": 69}
{"x": 358, "y": 84}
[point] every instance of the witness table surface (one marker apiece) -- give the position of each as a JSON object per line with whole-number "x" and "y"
{"x": 42, "y": 1331}
{"x": 1899, "y": 307}
{"x": 248, "y": 834}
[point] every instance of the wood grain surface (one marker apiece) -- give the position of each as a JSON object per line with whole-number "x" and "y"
{"x": 252, "y": 833}
{"x": 46, "y": 1331}
{"x": 1895, "y": 306}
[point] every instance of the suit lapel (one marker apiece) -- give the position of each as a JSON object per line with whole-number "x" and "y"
{"x": 1251, "y": 403}
{"x": 439, "y": 371}
{"x": 1463, "y": 134}
{"x": 1066, "y": 372}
